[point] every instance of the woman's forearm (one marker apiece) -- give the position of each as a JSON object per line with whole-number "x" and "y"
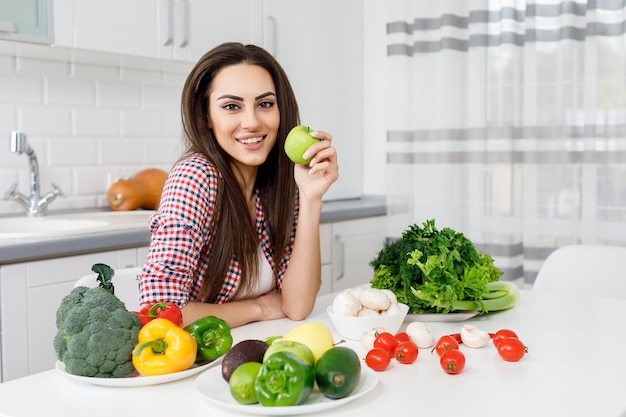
{"x": 302, "y": 279}
{"x": 237, "y": 313}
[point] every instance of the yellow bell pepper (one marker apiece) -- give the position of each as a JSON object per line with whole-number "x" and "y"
{"x": 163, "y": 348}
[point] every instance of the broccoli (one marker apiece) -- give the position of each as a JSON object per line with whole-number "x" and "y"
{"x": 96, "y": 334}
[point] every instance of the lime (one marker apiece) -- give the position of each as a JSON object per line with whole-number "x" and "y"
{"x": 242, "y": 382}
{"x": 338, "y": 372}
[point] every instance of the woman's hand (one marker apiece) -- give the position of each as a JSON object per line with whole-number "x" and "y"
{"x": 270, "y": 304}
{"x": 315, "y": 179}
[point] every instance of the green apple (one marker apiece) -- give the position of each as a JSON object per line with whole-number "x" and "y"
{"x": 297, "y": 142}
{"x": 297, "y": 348}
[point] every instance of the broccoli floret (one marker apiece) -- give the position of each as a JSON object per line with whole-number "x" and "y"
{"x": 96, "y": 334}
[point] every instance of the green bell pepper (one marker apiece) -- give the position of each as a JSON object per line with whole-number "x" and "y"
{"x": 212, "y": 336}
{"x": 284, "y": 379}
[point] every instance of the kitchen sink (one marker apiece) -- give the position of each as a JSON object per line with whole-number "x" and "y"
{"x": 58, "y": 225}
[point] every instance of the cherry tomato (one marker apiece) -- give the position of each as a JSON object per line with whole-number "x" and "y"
{"x": 511, "y": 349}
{"x": 386, "y": 341}
{"x": 445, "y": 343}
{"x": 406, "y": 352}
{"x": 452, "y": 361}
{"x": 402, "y": 337}
{"x": 502, "y": 333}
{"x": 378, "y": 359}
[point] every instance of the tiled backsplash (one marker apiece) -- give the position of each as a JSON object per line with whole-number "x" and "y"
{"x": 90, "y": 117}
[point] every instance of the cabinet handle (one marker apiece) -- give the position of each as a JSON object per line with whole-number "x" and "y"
{"x": 182, "y": 17}
{"x": 340, "y": 252}
{"x": 9, "y": 27}
{"x": 165, "y": 10}
{"x": 271, "y": 35}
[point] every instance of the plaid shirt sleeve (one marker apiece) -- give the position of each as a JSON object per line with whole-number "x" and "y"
{"x": 173, "y": 271}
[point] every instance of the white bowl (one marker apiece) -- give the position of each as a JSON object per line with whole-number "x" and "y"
{"x": 352, "y": 327}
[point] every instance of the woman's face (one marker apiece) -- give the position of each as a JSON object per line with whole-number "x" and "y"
{"x": 243, "y": 113}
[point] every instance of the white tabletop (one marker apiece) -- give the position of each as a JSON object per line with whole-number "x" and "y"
{"x": 574, "y": 367}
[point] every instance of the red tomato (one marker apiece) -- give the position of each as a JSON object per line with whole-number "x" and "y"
{"x": 386, "y": 341}
{"x": 402, "y": 337}
{"x": 452, "y": 361}
{"x": 511, "y": 349}
{"x": 457, "y": 337}
{"x": 406, "y": 352}
{"x": 378, "y": 359}
{"x": 502, "y": 333}
{"x": 445, "y": 343}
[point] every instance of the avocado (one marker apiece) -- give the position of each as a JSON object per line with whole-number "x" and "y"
{"x": 251, "y": 350}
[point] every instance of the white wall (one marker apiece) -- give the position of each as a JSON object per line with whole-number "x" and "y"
{"x": 90, "y": 117}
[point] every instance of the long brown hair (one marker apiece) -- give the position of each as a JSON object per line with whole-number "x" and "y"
{"x": 233, "y": 231}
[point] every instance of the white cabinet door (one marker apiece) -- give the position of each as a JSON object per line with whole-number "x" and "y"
{"x": 354, "y": 244}
{"x": 181, "y": 30}
{"x": 30, "y": 294}
{"x": 138, "y": 27}
{"x": 319, "y": 44}
{"x": 327, "y": 259}
{"x": 200, "y": 25}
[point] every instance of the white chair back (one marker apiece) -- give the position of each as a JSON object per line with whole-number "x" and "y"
{"x": 125, "y": 283}
{"x": 579, "y": 269}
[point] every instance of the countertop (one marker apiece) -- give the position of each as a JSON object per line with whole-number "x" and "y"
{"x": 23, "y": 249}
{"x": 568, "y": 371}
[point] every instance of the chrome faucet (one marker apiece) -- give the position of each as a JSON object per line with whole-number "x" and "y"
{"x": 34, "y": 204}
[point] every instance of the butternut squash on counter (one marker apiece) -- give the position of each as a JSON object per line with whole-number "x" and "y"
{"x": 140, "y": 191}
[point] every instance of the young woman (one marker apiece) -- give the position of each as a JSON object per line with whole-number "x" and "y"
{"x": 237, "y": 231}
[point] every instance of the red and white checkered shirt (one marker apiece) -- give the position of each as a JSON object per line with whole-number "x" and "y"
{"x": 174, "y": 271}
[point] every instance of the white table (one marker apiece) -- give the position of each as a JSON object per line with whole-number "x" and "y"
{"x": 574, "y": 367}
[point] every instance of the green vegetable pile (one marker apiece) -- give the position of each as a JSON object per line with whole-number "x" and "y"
{"x": 96, "y": 334}
{"x": 440, "y": 271}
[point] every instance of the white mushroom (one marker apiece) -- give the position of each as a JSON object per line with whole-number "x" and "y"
{"x": 420, "y": 334}
{"x": 392, "y": 297}
{"x": 367, "y": 339}
{"x": 356, "y": 291}
{"x": 393, "y": 308}
{"x": 367, "y": 312}
{"x": 345, "y": 304}
{"x": 374, "y": 299}
{"x": 473, "y": 337}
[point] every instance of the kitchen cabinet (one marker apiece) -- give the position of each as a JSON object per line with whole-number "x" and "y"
{"x": 180, "y": 30}
{"x": 347, "y": 247}
{"x": 354, "y": 244}
{"x": 26, "y": 20}
{"x": 320, "y": 46}
{"x": 30, "y": 294}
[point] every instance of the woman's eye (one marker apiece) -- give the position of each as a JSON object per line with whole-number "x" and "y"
{"x": 230, "y": 107}
{"x": 266, "y": 104}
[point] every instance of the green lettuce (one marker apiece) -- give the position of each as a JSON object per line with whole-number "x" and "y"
{"x": 430, "y": 269}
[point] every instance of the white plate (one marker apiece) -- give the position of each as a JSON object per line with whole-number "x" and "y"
{"x": 137, "y": 380}
{"x": 212, "y": 387}
{"x": 459, "y": 316}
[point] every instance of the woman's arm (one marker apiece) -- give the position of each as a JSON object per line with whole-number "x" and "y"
{"x": 302, "y": 278}
{"x": 237, "y": 313}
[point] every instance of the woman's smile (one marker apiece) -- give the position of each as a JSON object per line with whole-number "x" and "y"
{"x": 250, "y": 140}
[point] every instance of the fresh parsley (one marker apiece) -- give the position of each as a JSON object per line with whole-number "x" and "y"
{"x": 429, "y": 269}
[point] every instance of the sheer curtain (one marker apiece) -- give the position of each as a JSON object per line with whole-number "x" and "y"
{"x": 507, "y": 121}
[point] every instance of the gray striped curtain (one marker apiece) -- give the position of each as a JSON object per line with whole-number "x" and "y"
{"x": 507, "y": 121}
